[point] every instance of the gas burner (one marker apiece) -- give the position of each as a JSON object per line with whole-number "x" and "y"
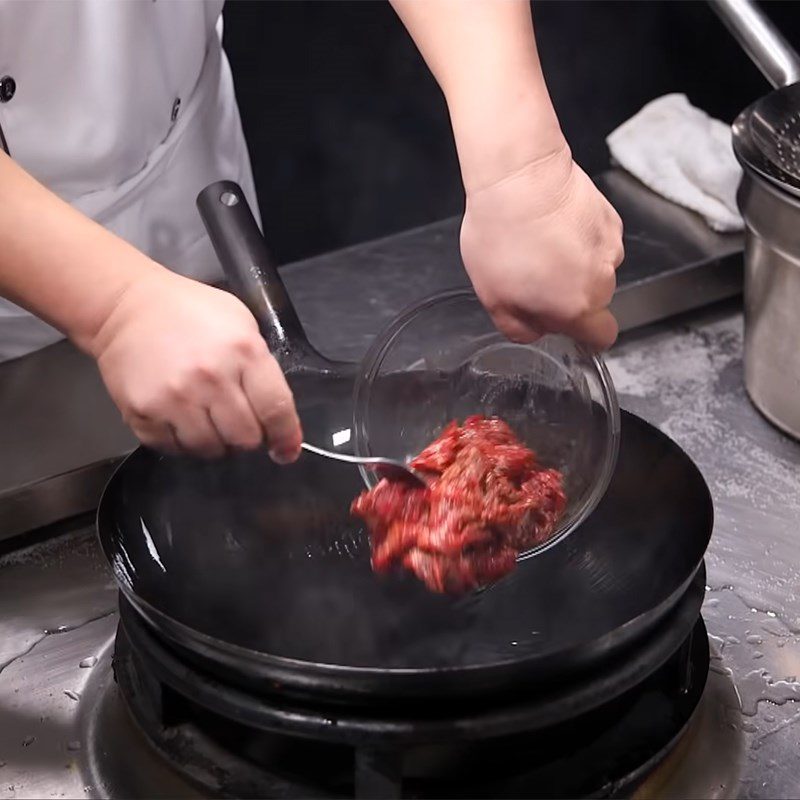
{"x": 293, "y": 750}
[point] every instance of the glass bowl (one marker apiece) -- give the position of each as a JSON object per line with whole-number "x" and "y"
{"x": 443, "y": 359}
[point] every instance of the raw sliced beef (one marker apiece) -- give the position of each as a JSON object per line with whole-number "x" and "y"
{"x": 487, "y": 500}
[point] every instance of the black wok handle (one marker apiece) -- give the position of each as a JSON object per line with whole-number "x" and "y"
{"x": 251, "y": 273}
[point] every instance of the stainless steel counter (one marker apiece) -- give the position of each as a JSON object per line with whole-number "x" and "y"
{"x": 687, "y": 379}
{"x": 62, "y": 732}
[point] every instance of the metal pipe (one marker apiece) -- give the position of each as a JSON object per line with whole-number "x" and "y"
{"x": 760, "y": 39}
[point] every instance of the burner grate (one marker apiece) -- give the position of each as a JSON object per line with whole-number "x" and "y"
{"x": 600, "y": 753}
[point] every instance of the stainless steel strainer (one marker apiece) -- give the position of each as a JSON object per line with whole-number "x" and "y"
{"x": 775, "y": 125}
{"x": 755, "y": 157}
{"x": 766, "y": 135}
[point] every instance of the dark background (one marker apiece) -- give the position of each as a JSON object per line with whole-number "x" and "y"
{"x": 348, "y": 132}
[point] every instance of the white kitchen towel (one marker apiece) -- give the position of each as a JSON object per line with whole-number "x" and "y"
{"x": 684, "y": 155}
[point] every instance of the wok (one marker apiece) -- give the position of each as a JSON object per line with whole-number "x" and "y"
{"x": 258, "y": 573}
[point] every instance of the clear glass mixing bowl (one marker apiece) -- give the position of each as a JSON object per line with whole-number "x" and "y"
{"x": 443, "y": 359}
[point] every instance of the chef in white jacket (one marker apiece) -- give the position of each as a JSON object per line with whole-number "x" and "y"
{"x": 114, "y": 115}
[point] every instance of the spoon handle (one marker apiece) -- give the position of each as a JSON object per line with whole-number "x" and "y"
{"x": 383, "y": 467}
{"x": 336, "y": 456}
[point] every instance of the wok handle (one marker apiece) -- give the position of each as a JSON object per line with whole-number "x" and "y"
{"x": 760, "y": 39}
{"x": 251, "y": 272}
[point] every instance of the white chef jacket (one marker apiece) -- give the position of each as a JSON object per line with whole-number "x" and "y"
{"x": 125, "y": 109}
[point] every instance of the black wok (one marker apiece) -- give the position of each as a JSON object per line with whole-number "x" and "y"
{"x": 259, "y": 574}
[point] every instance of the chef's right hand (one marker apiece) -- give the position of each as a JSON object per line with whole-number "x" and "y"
{"x": 189, "y": 371}
{"x": 541, "y": 246}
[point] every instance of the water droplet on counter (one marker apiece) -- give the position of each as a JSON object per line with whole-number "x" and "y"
{"x": 727, "y": 671}
{"x": 732, "y": 640}
{"x": 769, "y": 718}
{"x": 72, "y": 695}
{"x": 758, "y": 686}
{"x": 712, "y": 601}
{"x": 749, "y": 727}
{"x": 59, "y": 629}
{"x": 709, "y": 589}
{"x": 28, "y": 741}
{"x": 88, "y": 662}
{"x": 771, "y": 614}
{"x": 757, "y": 654}
{"x": 754, "y": 639}
{"x": 514, "y": 644}
{"x": 74, "y": 745}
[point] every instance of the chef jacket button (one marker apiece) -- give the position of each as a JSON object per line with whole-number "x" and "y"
{"x": 8, "y": 86}
{"x": 176, "y": 107}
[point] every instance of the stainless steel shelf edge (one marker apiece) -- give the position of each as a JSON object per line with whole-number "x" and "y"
{"x": 53, "y": 499}
{"x": 687, "y": 289}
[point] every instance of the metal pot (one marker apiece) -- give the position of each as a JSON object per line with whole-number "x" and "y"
{"x": 770, "y": 205}
{"x": 772, "y": 300}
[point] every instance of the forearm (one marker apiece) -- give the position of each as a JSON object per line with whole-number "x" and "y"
{"x": 56, "y": 262}
{"x": 483, "y": 55}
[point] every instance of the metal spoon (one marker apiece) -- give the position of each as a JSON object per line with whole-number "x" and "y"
{"x": 383, "y": 467}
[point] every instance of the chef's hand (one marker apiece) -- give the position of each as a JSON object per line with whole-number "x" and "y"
{"x": 541, "y": 246}
{"x": 186, "y": 365}
{"x": 184, "y": 362}
{"x": 538, "y": 239}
